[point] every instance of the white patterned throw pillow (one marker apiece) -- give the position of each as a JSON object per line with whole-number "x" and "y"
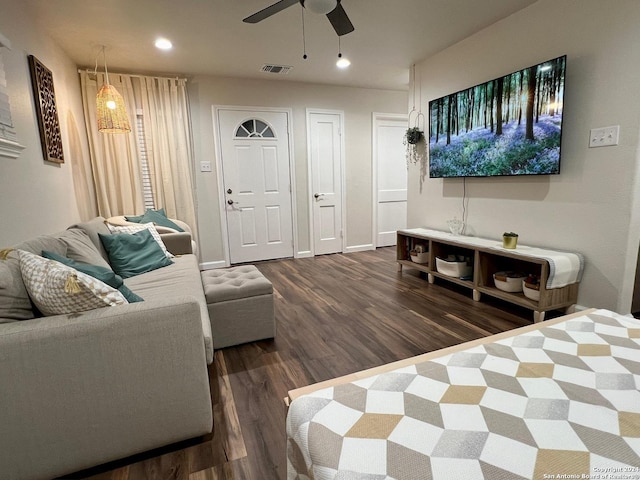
{"x": 131, "y": 229}
{"x": 57, "y": 289}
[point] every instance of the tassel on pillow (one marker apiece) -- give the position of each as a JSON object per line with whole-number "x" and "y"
{"x": 4, "y": 253}
{"x": 71, "y": 285}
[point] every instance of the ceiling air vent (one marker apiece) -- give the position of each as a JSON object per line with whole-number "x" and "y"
{"x": 278, "y": 69}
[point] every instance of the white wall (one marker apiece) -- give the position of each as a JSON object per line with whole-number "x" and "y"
{"x": 37, "y": 197}
{"x": 592, "y": 206}
{"x": 357, "y": 103}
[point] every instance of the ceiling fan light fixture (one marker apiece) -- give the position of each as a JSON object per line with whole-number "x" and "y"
{"x": 163, "y": 44}
{"x": 343, "y": 62}
{"x": 320, "y": 6}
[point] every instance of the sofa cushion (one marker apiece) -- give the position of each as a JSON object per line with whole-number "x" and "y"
{"x": 104, "y": 274}
{"x": 14, "y": 298}
{"x": 57, "y": 289}
{"x": 138, "y": 228}
{"x": 92, "y": 228}
{"x": 81, "y": 248}
{"x": 133, "y": 254}
{"x": 180, "y": 279}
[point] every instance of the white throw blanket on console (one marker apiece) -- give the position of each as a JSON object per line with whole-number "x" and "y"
{"x": 565, "y": 268}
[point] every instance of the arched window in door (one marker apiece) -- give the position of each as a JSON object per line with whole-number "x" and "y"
{"x": 254, "y": 128}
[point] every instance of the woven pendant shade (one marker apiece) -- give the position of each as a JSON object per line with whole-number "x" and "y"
{"x": 112, "y": 116}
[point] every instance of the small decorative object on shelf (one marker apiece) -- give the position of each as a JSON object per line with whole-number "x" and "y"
{"x": 509, "y": 240}
{"x": 455, "y": 226}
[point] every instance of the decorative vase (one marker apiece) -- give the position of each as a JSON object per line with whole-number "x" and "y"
{"x": 510, "y": 241}
{"x": 455, "y": 226}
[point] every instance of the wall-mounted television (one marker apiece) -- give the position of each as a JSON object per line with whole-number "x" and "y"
{"x": 508, "y": 126}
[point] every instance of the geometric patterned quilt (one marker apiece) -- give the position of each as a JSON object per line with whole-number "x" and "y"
{"x": 560, "y": 401}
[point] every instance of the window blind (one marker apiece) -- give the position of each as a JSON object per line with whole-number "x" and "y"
{"x": 147, "y": 189}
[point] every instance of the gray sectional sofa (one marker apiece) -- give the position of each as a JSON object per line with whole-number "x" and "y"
{"x": 84, "y": 389}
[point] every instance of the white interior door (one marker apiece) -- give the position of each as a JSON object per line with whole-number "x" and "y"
{"x": 257, "y": 184}
{"x": 391, "y": 177}
{"x": 325, "y": 158}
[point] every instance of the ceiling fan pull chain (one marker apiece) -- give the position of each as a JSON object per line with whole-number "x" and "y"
{"x": 304, "y": 41}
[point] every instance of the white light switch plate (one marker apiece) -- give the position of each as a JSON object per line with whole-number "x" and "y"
{"x": 205, "y": 166}
{"x": 604, "y": 137}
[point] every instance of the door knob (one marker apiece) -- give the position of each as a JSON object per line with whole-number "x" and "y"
{"x": 229, "y": 191}
{"x": 230, "y": 202}
{"x": 318, "y": 195}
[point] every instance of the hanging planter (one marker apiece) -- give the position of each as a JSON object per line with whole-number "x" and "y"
{"x": 413, "y": 135}
{"x": 414, "y": 139}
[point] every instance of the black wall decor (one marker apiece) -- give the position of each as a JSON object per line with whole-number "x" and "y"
{"x": 46, "y": 111}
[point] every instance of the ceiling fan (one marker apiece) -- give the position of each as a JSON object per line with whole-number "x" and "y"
{"x": 331, "y": 8}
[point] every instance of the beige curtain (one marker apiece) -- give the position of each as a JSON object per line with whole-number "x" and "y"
{"x": 164, "y": 108}
{"x": 114, "y": 157}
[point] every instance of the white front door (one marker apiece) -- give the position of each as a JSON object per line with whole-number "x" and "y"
{"x": 391, "y": 177}
{"x": 325, "y": 159}
{"x": 257, "y": 184}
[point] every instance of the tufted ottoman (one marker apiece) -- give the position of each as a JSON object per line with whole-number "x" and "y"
{"x": 240, "y": 304}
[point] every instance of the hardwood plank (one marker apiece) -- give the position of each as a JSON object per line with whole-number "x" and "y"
{"x": 335, "y": 315}
{"x": 234, "y": 470}
{"x": 231, "y": 432}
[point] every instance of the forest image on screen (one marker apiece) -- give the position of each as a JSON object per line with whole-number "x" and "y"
{"x": 507, "y": 126}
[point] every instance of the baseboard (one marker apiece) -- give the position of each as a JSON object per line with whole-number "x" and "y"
{"x": 359, "y": 248}
{"x": 577, "y": 308}
{"x": 213, "y": 265}
{"x": 304, "y": 254}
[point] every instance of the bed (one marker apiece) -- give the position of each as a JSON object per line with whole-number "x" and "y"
{"x": 558, "y": 399}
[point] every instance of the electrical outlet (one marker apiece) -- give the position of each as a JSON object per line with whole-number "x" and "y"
{"x": 604, "y": 137}
{"x": 205, "y": 166}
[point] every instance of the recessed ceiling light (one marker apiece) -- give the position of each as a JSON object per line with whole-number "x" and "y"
{"x": 163, "y": 44}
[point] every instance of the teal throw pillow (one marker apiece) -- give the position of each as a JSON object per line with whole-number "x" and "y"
{"x": 103, "y": 274}
{"x": 133, "y": 254}
{"x": 157, "y": 217}
{"x": 134, "y": 218}
{"x": 138, "y": 218}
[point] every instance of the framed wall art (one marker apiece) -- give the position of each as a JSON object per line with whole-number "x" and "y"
{"x": 46, "y": 110}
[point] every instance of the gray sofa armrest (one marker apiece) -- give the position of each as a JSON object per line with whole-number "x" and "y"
{"x": 178, "y": 243}
{"x": 81, "y": 390}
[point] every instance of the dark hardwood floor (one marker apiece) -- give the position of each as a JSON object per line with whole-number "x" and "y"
{"x": 336, "y": 314}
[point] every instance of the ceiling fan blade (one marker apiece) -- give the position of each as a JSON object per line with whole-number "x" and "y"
{"x": 340, "y": 21}
{"x": 270, "y": 10}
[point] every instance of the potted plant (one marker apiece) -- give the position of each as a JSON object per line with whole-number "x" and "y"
{"x": 412, "y": 136}
{"x": 509, "y": 240}
{"x": 412, "y": 139}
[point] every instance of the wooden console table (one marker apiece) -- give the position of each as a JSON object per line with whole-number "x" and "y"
{"x": 488, "y": 257}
